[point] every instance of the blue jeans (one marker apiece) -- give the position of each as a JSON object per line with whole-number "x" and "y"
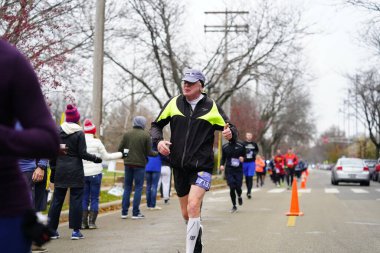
{"x": 137, "y": 175}
{"x": 91, "y": 192}
{"x": 151, "y": 187}
{"x": 12, "y": 237}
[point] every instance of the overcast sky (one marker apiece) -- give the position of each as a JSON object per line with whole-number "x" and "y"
{"x": 331, "y": 53}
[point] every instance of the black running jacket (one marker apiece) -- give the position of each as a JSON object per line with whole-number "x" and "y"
{"x": 192, "y": 132}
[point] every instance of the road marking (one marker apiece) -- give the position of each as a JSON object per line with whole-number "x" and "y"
{"x": 304, "y": 190}
{"x": 222, "y": 199}
{"x": 220, "y": 191}
{"x": 314, "y": 232}
{"x": 356, "y": 190}
{"x": 277, "y": 190}
{"x": 291, "y": 221}
{"x": 363, "y": 223}
{"x": 378, "y": 190}
{"x": 228, "y": 190}
{"x": 331, "y": 190}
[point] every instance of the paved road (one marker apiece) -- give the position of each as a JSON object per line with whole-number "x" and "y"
{"x": 344, "y": 218}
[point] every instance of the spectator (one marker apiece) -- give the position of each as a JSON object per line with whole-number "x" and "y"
{"x": 138, "y": 145}
{"x": 34, "y": 172}
{"x": 67, "y": 172}
{"x": 152, "y": 174}
{"x": 165, "y": 178}
{"x": 93, "y": 175}
{"x": 21, "y": 100}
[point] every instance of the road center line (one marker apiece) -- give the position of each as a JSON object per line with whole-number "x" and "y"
{"x": 291, "y": 221}
{"x": 304, "y": 190}
{"x": 276, "y": 190}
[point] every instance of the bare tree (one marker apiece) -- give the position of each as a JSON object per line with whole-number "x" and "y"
{"x": 366, "y": 88}
{"x": 279, "y": 113}
{"x": 154, "y": 36}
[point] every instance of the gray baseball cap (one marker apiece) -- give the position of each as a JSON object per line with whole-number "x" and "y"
{"x": 193, "y": 75}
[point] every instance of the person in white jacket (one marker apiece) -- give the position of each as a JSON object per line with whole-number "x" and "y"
{"x": 93, "y": 175}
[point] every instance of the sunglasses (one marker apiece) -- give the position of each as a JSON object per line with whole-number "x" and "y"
{"x": 189, "y": 83}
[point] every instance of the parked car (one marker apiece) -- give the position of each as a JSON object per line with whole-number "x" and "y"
{"x": 371, "y": 164}
{"x": 376, "y": 173}
{"x": 352, "y": 170}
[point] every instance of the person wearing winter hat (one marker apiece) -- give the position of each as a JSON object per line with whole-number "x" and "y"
{"x": 67, "y": 172}
{"x": 138, "y": 143}
{"x": 93, "y": 175}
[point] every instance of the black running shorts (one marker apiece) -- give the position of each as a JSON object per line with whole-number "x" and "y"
{"x": 183, "y": 180}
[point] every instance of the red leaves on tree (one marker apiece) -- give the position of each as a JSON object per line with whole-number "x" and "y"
{"x": 38, "y": 30}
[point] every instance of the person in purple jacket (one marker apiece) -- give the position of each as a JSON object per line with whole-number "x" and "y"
{"x": 21, "y": 100}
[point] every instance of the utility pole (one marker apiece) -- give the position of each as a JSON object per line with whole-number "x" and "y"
{"x": 97, "y": 90}
{"x": 226, "y": 29}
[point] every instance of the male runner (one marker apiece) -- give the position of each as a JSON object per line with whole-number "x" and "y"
{"x": 193, "y": 119}
{"x": 249, "y": 161}
{"x": 232, "y": 158}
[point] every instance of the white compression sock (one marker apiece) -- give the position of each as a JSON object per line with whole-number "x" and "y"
{"x": 192, "y": 233}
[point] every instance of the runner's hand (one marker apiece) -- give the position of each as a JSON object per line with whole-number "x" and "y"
{"x": 38, "y": 175}
{"x": 163, "y": 147}
{"x": 227, "y": 134}
{"x": 241, "y": 159}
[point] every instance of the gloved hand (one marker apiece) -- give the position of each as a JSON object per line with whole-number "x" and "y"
{"x": 98, "y": 160}
{"x": 125, "y": 152}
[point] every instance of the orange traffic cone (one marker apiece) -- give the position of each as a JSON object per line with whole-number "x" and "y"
{"x": 294, "y": 206}
{"x": 303, "y": 180}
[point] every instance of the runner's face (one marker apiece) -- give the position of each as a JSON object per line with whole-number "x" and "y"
{"x": 191, "y": 90}
{"x": 248, "y": 136}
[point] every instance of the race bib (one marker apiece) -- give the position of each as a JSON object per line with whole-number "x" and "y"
{"x": 290, "y": 161}
{"x": 204, "y": 180}
{"x": 277, "y": 170}
{"x": 235, "y": 162}
{"x": 250, "y": 155}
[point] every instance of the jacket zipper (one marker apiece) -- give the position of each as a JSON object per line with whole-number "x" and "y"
{"x": 187, "y": 137}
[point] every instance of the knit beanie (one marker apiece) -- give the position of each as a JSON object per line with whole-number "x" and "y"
{"x": 72, "y": 114}
{"x": 139, "y": 121}
{"x": 89, "y": 128}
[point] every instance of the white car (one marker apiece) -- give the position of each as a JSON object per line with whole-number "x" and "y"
{"x": 352, "y": 170}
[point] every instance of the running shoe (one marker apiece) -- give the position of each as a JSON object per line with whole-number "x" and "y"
{"x": 234, "y": 209}
{"x": 55, "y": 235}
{"x": 240, "y": 200}
{"x": 38, "y": 249}
{"x": 138, "y": 216}
{"x": 76, "y": 235}
{"x": 124, "y": 216}
{"x": 249, "y": 195}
